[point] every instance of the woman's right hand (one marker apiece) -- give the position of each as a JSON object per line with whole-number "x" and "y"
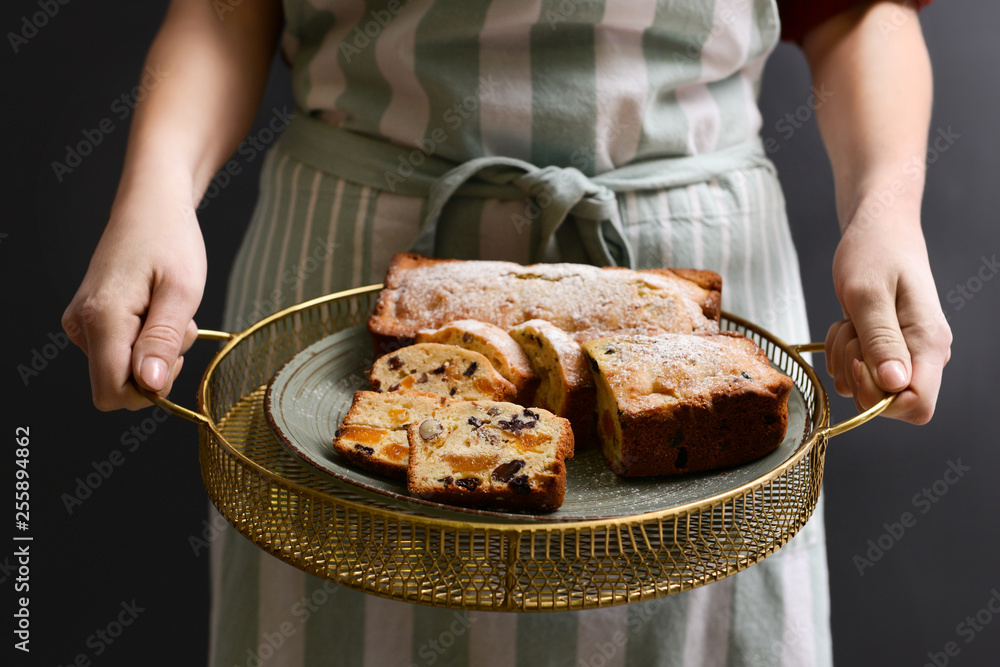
{"x": 133, "y": 313}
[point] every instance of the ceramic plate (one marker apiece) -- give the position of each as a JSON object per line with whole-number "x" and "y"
{"x": 309, "y": 396}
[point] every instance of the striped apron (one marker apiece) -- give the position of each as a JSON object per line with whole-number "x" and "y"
{"x": 595, "y": 90}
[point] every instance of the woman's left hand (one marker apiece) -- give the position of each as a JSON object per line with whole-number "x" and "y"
{"x": 894, "y": 337}
{"x": 874, "y": 123}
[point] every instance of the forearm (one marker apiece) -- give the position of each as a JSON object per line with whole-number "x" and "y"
{"x": 894, "y": 338}
{"x": 874, "y": 63}
{"x": 213, "y": 72}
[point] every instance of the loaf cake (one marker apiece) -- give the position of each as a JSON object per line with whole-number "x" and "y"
{"x": 441, "y": 369}
{"x": 490, "y": 454}
{"x": 674, "y": 404}
{"x": 373, "y": 433}
{"x": 495, "y": 344}
{"x": 586, "y": 301}
{"x": 566, "y": 387}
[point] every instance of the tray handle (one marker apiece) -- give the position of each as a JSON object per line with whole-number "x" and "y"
{"x": 857, "y": 420}
{"x": 170, "y": 406}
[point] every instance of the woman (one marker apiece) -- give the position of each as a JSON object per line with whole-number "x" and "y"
{"x": 406, "y": 110}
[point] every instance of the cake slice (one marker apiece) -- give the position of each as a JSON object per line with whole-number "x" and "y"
{"x": 566, "y": 387}
{"x": 373, "y": 433}
{"x": 490, "y": 454}
{"x": 495, "y": 344}
{"x": 674, "y": 404}
{"x": 446, "y": 370}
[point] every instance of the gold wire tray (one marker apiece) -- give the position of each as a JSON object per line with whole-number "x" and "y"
{"x": 402, "y": 551}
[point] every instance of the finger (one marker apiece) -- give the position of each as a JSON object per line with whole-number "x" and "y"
{"x": 916, "y": 403}
{"x": 860, "y": 372}
{"x": 831, "y": 336}
{"x": 883, "y": 347}
{"x": 162, "y": 337}
{"x": 174, "y": 372}
{"x": 842, "y": 372}
{"x": 852, "y": 374}
{"x": 109, "y": 336}
{"x": 72, "y": 326}
{"x": 190, "y": 336}
{"x": 866, "y": 390}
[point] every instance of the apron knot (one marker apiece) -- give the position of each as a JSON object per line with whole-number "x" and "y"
{"x": 560, "y": 194}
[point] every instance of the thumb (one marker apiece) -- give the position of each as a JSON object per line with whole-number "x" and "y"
{"x": 883, "y": 347}
{"x": 161, "y": 339}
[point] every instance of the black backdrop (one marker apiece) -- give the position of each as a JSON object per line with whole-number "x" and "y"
{"x": 127, "y": 546}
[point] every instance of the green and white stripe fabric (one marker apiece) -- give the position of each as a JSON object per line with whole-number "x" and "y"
{"x": 580, "y": 83}
{"x": 593, "y": 85}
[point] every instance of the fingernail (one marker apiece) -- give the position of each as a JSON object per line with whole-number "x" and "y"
{"x": 892, "y": 374}
{"x": 857, "y": 371}
{"x": 154, "y": 373}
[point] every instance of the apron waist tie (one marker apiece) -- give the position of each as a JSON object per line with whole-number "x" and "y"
{"x": 560, "y": 193}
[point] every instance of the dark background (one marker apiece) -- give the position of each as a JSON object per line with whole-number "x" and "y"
{"x": 129, "y": 540}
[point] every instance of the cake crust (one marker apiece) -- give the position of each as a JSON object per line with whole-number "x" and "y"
{"x": 585, "y": 301}
{"x": 495, "y": 344}
{"x": 675, "y": 404}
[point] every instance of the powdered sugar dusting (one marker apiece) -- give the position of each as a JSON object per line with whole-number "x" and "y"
{"x": 584, "y": 300}
{"x": 645, "y": 371}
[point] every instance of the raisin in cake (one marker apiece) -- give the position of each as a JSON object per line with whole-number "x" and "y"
{"x": 495, "y": 344}
{"x": 675, "y": 404}
{"x": 373, "y": 433}
{"x": 490, "y": 454}
{"x": 567, "y": 387}
{"x": 586, "y": 301}
{"x": 441, "y": 369}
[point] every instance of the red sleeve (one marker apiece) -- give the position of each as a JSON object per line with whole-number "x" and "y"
{"x": 800, "y": 16}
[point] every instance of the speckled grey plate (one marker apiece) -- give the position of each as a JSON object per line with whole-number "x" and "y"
{"x": 309, "y": 396}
